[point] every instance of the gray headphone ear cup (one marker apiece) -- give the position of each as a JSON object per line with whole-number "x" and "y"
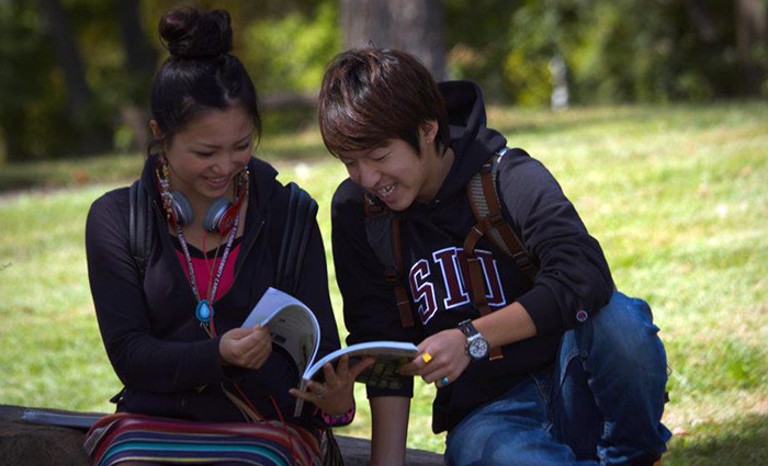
{"x": 182, "y": 209}
{"x": 215, "y": 213}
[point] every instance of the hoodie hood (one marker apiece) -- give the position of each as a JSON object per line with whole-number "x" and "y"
{"x": 472, "y": 141}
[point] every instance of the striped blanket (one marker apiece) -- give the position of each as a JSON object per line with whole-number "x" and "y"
{"x": 130, "y": 437}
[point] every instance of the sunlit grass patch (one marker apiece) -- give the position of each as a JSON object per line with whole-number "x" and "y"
{"x": 676, "y": 195}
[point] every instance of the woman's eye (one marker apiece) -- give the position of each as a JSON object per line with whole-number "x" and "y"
{"x": 203, "y": 154}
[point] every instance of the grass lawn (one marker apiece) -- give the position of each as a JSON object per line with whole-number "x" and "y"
{"x": 676, "y": 195}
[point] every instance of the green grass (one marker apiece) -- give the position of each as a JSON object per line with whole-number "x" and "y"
{"x": 677, "y": 196}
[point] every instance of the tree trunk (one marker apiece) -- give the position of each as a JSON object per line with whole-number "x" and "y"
{"x": 141, "y": 57}
{"x": 751, "y": 26}
{"x": 140, "y": 62}
{"x": 415, "y": 27}
{"x": 68, "y": 56}
{"x": 12, "y": 135}
{"x": 91, "y": 132}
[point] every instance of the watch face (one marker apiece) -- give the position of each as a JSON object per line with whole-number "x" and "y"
{"x": 478, "y": 348}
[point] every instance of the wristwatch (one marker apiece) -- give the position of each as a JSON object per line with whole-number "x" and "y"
{"x": 477, "y": 346}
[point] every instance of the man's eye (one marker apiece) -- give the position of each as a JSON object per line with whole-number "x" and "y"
{"x": 203, "y": 154}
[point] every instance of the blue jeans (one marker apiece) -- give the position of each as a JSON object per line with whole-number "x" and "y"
{"x": 601, "y": 403}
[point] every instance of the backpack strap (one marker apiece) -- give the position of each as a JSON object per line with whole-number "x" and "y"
{"x": 302, "y": 210}
{"x": 139, "y": 226}
{"x": 486, "y": 204}
{"x": 383, "y": 233}
{"x": 484, "y": 199}
{"x": 382, "y": 228}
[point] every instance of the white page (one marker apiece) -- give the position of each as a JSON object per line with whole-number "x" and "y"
{"x": 292, "y": 324}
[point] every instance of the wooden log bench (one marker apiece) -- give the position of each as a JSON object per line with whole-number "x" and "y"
{"x": 25, "y": 442}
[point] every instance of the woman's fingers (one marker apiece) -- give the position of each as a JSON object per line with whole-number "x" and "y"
{"x": 246, "y": 347}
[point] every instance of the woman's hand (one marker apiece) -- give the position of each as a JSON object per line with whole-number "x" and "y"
{"x": 441, "y": 358}
{"x": 335, "y": 395}
{"x": 246, "y": 347}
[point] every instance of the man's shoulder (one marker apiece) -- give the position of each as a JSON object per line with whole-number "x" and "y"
{"x": 348, "y": 195}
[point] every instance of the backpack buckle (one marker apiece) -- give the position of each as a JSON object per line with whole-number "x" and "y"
{"x": 391, "y": 275}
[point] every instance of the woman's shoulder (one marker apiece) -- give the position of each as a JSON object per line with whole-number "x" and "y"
{"x": 110, "y": 204}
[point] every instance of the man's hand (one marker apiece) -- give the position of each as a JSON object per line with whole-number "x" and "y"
{"x": 441, "y": 358}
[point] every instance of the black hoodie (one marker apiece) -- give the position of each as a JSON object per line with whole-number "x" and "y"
{"x": 168, "y": 364}
{"x": 574, "y": 280}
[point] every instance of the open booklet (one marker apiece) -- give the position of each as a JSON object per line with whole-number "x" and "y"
{"x": 294, "y": 327}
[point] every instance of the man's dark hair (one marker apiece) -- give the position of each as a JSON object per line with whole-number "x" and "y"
{"x": 370, "y": 96}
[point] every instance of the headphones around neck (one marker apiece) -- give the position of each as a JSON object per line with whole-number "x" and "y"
{"x": 221, "y": 214}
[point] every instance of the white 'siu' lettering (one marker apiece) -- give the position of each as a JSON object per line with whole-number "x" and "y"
{"x": 422, "y": 290}
{"x": 493, "y": 289}
{"x": 451, "y": 262}
{"x": 453, "y": 267}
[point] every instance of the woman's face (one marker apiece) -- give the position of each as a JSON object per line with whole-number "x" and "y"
{"x": 206, "y": 156}
{"x": 396, "y": 173}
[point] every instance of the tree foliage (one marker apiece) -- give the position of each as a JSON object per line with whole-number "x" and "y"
{"x": 614, "y": 51}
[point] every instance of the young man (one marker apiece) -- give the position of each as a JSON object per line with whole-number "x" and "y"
{"x": 582, "y": 373}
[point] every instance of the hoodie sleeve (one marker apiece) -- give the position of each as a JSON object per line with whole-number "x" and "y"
{"x": 370, "y": 311}
{"x": 574, "y": 279}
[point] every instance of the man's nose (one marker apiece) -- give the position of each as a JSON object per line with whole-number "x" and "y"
{"x": 368, "y": 177}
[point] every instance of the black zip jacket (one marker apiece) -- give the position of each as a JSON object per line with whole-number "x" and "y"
{"x": 573, "y": 277}
{"x": 168, "y": 364}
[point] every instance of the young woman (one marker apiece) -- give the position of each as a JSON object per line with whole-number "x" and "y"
{"x": 198, "y": 387}
{"x": 582, "y": 373}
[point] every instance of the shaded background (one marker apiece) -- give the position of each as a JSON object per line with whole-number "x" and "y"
{"x": 662, "y": 149}
{"x": 75, "y": 74}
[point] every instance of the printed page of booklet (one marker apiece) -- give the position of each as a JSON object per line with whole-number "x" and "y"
{"x": 294, "y": 327}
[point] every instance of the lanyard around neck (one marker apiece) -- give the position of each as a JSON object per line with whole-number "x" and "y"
{"x": 208, "y": 300}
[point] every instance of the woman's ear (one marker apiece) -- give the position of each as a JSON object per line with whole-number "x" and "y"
{"x": 155, "y": 128}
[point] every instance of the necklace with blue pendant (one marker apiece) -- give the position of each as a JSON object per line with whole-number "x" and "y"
{"x": 203, "y": 311}
{"x": 204, "y": 308}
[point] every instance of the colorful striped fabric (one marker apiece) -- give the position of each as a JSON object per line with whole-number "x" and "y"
{"x": 130, "y": 437}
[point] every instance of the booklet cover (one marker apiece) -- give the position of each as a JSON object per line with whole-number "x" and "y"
{"x": 53, "y": 417}
{"x": 294, "y": 327}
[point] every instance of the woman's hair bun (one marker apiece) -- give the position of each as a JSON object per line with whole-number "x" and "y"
{"x": 193, "y": 34}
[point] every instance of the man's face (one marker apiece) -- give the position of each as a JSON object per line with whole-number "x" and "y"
{"x": 395, "y": 172}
